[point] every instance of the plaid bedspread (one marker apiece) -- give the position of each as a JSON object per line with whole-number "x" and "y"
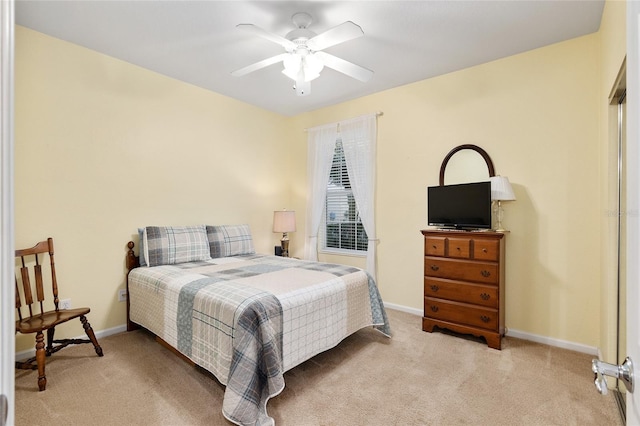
{"x": 248, "y": 319}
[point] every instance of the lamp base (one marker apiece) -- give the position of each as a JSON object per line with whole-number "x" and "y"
{"x": 499, "y": 214}
{"x": 284, "y": 243}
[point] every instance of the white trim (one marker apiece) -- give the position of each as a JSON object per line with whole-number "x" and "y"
{"x": 110, "y": 331}
{"x": 633, "y": 205}
{"x": 401, "y": 308}
{"x": 99, "y": 334}
{"x": 550, "y": 341}
{"x": 7, "y": 253}
{"x": 342, "y": 252}
{"x": 563, "y": 344}
{"x": 558, "y": 343}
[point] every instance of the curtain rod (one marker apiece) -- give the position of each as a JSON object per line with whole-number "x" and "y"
{"x": 378, "y": 114}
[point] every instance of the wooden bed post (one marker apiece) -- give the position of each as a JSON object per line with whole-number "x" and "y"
{"x": 132, "y": 259}
{"x": 132, "y": 263}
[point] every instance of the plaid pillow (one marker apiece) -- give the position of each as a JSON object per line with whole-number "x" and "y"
{"x": 230, "y": 240}
{"x": 167, "y": 245}
{"x": 142, "y": 260}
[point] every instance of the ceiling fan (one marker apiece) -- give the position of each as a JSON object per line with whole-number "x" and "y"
{"x": 304, "y": 57}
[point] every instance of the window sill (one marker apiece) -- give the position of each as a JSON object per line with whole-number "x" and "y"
{"x": 339, "y": 252}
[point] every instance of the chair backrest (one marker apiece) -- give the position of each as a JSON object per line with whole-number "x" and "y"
{"x": 34, "y": 257}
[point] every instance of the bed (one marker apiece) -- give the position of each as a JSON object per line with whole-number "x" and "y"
{"x": 245, "y": 317}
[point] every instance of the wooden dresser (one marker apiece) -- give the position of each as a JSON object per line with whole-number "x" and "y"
{"x": 464, "y": 283}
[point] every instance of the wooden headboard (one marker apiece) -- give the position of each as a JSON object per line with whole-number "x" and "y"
{"x": 132, "y": 262}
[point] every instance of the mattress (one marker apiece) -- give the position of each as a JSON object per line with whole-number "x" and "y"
{"x": 248, "y": 319}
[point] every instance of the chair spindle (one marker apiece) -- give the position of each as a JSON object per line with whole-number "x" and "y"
{"x": 26, "y": 286}
{"x": 18, "y": 302}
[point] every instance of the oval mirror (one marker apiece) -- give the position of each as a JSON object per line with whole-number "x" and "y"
{"x": 469, "y": 164}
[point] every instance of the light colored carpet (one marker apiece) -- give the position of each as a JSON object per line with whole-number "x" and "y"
{"x": 414, "y": 378}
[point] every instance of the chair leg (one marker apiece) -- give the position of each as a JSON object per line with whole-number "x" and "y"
{"x": 41, "y": 358}
{"x": 92, "y": 336}
{"x": 50, "y": 333}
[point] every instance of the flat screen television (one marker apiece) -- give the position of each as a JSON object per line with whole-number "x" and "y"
{"x": 461, "y": 206}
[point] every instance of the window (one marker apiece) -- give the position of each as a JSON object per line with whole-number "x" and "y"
{"x": 343, "y": 228}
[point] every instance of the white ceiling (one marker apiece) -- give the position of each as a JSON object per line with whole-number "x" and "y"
{"x": 405, "y": 41}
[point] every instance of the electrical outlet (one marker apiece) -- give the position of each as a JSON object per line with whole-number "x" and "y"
{"x": 65, "y": 304}
{"x": 122, "y": 295}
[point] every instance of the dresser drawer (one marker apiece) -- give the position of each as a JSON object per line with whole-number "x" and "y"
{"x": 486, "y": 249}
{"x": 435, "y": 246}
{"x": 482, "y": 272}
{"x": 461, "y": 313}
{"x": 459, "y": 247}
{"x": 477, "y": 294}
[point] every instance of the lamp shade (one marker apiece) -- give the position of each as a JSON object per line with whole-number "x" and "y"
{"x": 501, "y": 189}
{"x": 292, "y": 64}
{"x": 284, "y": 221}
{"x": 302, "y": 66}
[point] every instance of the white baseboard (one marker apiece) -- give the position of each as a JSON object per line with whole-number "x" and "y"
{"x": 99, "y": 334}
{"x": 578, "y": 347}
{"x": 401, "y": 308}
{"x": 572, "y": 346}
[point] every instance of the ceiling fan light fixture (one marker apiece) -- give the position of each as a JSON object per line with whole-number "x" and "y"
{"x": 294, "y": 67}
{"x": 291, "y": 74}
{"x": 308, "y": 77}
{"x": 292, "y": 64}
{"x": 302, "y": 67}
{"x": 302, "y": 88}
{"x": 312, "y": 65}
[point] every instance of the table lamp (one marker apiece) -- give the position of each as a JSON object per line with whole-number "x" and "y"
{"x": 284, "y": 221}
{"x": 500, "y": 191}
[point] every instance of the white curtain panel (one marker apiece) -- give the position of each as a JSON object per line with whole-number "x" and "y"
{"x": 321, "y": 142}
{"x": 359, "y": 144}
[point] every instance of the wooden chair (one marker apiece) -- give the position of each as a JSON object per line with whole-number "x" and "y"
{"x": 44, "y": 320}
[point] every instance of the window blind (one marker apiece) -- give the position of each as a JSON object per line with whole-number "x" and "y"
{"x": 343, "y": 227}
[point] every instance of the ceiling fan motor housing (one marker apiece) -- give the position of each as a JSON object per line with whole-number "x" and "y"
{"x": 300, "y": 36}
{"x": 301, "y": 19}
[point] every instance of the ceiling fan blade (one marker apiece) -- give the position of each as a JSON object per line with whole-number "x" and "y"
{"x": 345, "y": 67}
{"x": 343, "y": 32}
{"x": 258, "y": 65}
{"x": 287, "y": 44}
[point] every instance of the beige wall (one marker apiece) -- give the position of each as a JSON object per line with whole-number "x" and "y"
{"x": 110, "y": 147}
{"x": 536, "y": 114}
{"x": 103, "y": 147}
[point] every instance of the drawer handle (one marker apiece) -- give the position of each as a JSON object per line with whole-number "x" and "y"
{"x": 458, "y": 248}
{"x": 485, "y": 273}
{"x": 484, "y": 250}
{"x": 435, "y": 288}
{"x": 434, "y": 247}
{"x": 434, "y": 267}
{"x": 434, "y": 308}
{"x": 485, "y": 296}
{"x": 485, "y": 318}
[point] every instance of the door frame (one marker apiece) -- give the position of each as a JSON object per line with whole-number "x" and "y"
{"x": 7, "y": 287}
{"x": 633, "y": 203}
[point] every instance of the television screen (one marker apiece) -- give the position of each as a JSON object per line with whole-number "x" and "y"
{"x": 461, "y": 206}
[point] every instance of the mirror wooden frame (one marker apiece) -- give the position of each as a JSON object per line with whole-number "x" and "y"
{"x": 475, "y": 148}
